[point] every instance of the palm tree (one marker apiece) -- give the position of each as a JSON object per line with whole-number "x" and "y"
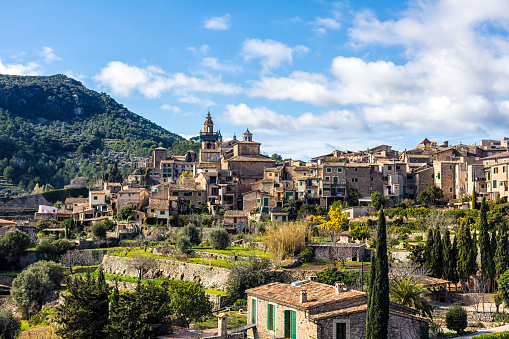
{"x": 408, "y": 293}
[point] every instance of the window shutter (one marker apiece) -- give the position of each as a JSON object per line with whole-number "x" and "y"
{"x": 274, "y": 317}
{"x": 269, "y": 316}
{"x": 294, "y": 324}
{"x": 287, "y": 324}
{"x": 253, "y": 311}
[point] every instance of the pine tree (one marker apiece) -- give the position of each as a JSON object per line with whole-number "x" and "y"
{"x": 502, "y": 253}
{"x": 84, "y": 313}
{"x": 487, "y": 264}
{"x": 437, "y": 255}
{"x": 378, "y": 303}
{"x": 428, "y": 249}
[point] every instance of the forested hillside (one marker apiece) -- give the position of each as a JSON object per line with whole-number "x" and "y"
{"x": 52, "y": 129}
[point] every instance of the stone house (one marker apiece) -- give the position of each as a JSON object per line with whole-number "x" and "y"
{"x": 258, "y": 201}
{"x": 138, "y": 198}
{"x": 71, "y": 203}
{"x": 355, "y": 212}
{"x": 277, "y": 214}
{"x": 303, "y": 310}
{"x": 336, "y": 251}
{"x": 157, "y": 211}
{"x": 235, "y": 219}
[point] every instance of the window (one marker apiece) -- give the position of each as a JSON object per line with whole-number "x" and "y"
{"x": 329, "y": 169}
{"x": 152, "y": 210}
{"x": 335, "y": 181}
{"x": 265, "y": 201}
{"x": 340, "y": 330}
{"x": 309, "y": 191}
{"x": 271, "y": 317}
{"x": 356, "y": 169}
{"x": 286, "y": 185}
{"x": 162, "y": 212}
{"x": 290, "y": 324}
{"x": 389, "y": 168}
{"x": 495, "y": 170}
{"x": 253, "y": 311}
{"x": 398, "y": 167}
{"x": 270, "y": 174}
{"x": 438, "y": 175}
{"x": 95, "y": 198}
{"x": 340, "y": 170}
{"x": 327, "y": 178}
{"x": 199, "y": 194}
{"x": 275, "y": 175}
{"x": 258, "y": 200}
{"x": 450, "y": 189}
{"x": 494, "y": 184}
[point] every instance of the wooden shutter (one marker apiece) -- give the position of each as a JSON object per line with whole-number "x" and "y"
{"x": 294, "y": 324}
{"x": 274, "y": 317}
{"x": 287, "y": 324}
{"x": 269, "y": 317}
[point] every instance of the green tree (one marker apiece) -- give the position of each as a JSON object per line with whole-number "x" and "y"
{"x": 467, "y": 253}
{"x": 124, "y": 213}
{"x": 450, "y": 257}
{"x": 188, "y": 301}
{"x": 84, "y": 312}
{"x": 138, "y": 314}
{"x": 359, "y": 231}
{"x": 329, "y": 275}
{"x": 276, "y": 157}
{"x": 12, "y": 244}
{"x": 99, "y": 230}
{"x": 219, "y": 238}
{"x": 377, "y": 318}
{"x": 290, "y": 207}
{"x": 428, "y": 248}
{"x": 113, "y": 174}
{"x": 183, "y": 244}
{"x": 456, "y": 318}
{"x": 474, "y": 198}
{"x": 377, "y": 200}
{"x": 430, "y": 196}
{"x": 409, "y": 293}
{"x": 30, "y": 286}
{"x": 248, "y": 274}
{"x": 192, "y": 233}
{"x": 9, "y": 324}
{"x": 502, "y": 252}
{"x": 487, "y": 263}
{"x": 437, "y": 255}
{"x": 353, "y": 197}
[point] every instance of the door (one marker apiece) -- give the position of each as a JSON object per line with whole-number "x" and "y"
{"x": 290, "y": 324}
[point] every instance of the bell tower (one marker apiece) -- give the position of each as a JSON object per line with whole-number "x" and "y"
{"x": 208, "y": 125}
{"x": 208, "y": 137}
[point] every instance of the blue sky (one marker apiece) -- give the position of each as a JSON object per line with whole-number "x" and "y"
{"x": 306, "y": 77}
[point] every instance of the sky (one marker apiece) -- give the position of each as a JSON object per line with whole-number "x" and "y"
{"x": 306, "y": 77}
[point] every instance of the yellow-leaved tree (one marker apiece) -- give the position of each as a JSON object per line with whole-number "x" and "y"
{"x": 336, "y": 221}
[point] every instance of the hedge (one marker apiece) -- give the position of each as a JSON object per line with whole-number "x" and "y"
{"x": 499, "y": 335}
{"x": 62, "y": 194}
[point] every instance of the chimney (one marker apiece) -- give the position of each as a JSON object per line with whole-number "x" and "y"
{"x": 222, "y": 322}
{"x": 339, "y": 287}
{"x": 303, "y": 296}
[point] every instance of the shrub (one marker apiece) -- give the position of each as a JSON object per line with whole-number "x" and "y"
{"x": 286, "y": 238}
{"x": 307, "y": 254}
{"x": 192, "y": 233}
{"x": 184, "y": 244}
{"x": 9, "y": 325}
{"x": 207, "y": 221}
{"x": 99, "y": 230}
{"x": 219, "y": 238}
{"x": 499, "y": 335}
{"x": 456, "y": 318}
{"x": 55, "y": 246}
{"x": 393, "y": 242}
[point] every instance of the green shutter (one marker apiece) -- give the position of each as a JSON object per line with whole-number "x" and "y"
{"x": 265, "y": 201}
{"x": 269, "y": 316}
{"x": 294, "y": 324}
{"x": 287, "y": 324}
{"x": 274, "y": 317}
{"x": 253, "y": 311}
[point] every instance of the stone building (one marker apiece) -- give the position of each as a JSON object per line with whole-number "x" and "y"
{"x": 303, "y": 310}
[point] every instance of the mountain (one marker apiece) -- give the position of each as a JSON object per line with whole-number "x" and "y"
{"x": 52, "y": 129}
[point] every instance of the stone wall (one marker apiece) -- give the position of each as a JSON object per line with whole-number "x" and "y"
{"x": 207, "y": 276}
{"x": 7, "y": 281}
{"x": 29, "y": 203}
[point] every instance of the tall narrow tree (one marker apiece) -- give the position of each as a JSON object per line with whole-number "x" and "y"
{"x": 378, "y": 303}
{"x": 502, "y": 253}
{"x": 467, "y": 253}
{"x": 474, "y": 198}
{"x": 437, "y": 255}
{"x": 487, "y": 264}
{"x": 449, "y": 256}
{"x": 428, "y": 249}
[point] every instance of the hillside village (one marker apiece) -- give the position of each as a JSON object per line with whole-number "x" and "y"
{"x": 278, "y": 248}
{"x": 233, "y": 175}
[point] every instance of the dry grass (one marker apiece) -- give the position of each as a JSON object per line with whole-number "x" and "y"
{"x": 44, "y": 332}
{"x": 286, "y": 239}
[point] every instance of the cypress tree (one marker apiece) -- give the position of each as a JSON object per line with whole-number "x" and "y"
{"x": 437, "y": 255}
{"x": 377, "y": 325}
{"x": 502, "y": 252}
{"x": 449, "y": 256}
{"x": 474, "y": 198}
{"x": 371, "y": 288}
{"x": 487, "y": 264}
{"x": 428, "y": 262}
{"x": 467, "y": 253}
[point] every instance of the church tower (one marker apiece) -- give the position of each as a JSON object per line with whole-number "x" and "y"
{"x": 208, "y": 137}
{"x": 247, "y": 136}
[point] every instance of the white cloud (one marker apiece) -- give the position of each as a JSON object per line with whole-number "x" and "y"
{"x": 321, "y": 25}
{"x": 266, "y": 119}
{"x": 31, "y": 68}
{"x": 152, "y": 81}
{"x": 192, "y": 99}
{"x": 218, "y": 23}
{"x": 216, "y": 65}
{"x": 454, "y": 76}
{"x": 202, "y": 50}
{"x": 272, "y": 53}
{"x": 170, "y": 108}
{"x": 48, "y": 54}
